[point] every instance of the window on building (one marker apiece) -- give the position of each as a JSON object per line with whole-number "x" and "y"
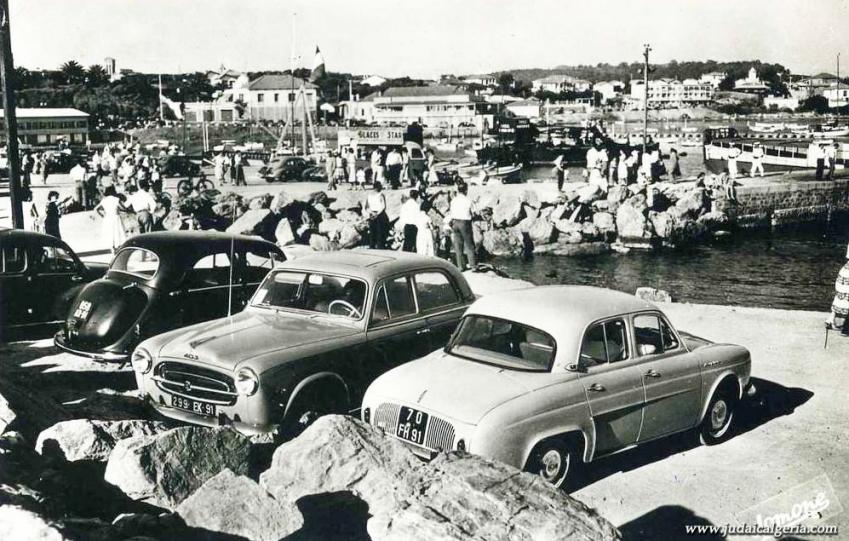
{"x": 276, "y": 97}
{"x": 260, "y": 97}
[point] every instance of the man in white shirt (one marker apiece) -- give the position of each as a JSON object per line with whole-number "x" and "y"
{"x": 757, "y": 160}
{"x": 831, "y": 159}
{"x": 144, "y": 205}
{"x": 460, "y": 216}
{"x": 407, "y": 221}
{"x": 378, "y": 221}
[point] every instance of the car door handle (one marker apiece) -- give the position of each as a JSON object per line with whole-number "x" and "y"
{"x": 652, "y": 374}
{"x": 596, "y": 387}
{"x": 76, "y": 278}
{"x": 423, "y": 331}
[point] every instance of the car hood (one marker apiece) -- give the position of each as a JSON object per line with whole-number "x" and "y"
{"x": 458, "y": 388}
{"x": 228, "y": 342}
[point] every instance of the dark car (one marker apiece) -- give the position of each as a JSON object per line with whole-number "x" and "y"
{"x": 39, "y": 277}
{"x": 162, "y": 281}
{"x": 178, "y": 166}
{"x": 285, "y": 168}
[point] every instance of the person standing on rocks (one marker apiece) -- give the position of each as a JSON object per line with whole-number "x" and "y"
{"x": 460, "y": 218}
{"x": 220, "y": 166}
{"x": 239, "y": 165}
{"x": 757, "y": 160}
{"x": 622, "y": 169}
{"x": 831, "y": 159}
{"x": 330, "y": 170}
{"x": 560, "y": 171}
{"x": 378, "y": 221}
{"x": 733, "y": 154}
{"x": 408, "y": 220}
{"x": 839, "y": 317}
{"x": 676, "y": 165}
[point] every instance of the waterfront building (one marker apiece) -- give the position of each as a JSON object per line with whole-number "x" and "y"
{"x": 752, "y": 84}
{"x": 487, "y": 80}
{"x": 374, "y": 80}
{"x": 671, "y": 93}
{"x": 818, "y": 83}
{"x": 609, "y": 90}
{"x": 837, "y": 97}
{"x": 360, "y": 110}
{"x": 530, "y": 108}
{"x": 269, "y": 97}
{"x": 560, "y": 83}
{"x": 778, "y": 102}
{"x": 431, "y": 106}
{"x": 713, "y": 78}
{"x": 50, "y": 126}
{"x": 223, "y": 77}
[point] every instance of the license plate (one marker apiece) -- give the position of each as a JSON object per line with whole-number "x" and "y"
{"x": 198, "y": 408}
{"x": 412, "y": 425}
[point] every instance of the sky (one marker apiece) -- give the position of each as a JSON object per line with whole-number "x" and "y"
{"x": 425, "y": 38}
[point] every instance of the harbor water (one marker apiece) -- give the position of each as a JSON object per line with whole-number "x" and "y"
{"x": 790, "y": 269}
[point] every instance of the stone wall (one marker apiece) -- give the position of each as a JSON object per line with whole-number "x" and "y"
{"x": 784, "y": 203}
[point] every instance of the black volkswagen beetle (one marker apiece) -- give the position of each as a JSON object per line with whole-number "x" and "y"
{"x": 39, "y": 277}
{"x": 162, "y": 281}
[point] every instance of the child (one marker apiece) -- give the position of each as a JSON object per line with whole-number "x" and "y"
{"x": 361, "y": 178}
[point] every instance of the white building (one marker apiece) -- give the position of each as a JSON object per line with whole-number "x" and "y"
{"x": 48, "y": 126}
{"x": 269, "y": 97}
{"x": 361, "y": 110}
{"x": 530, "y": 108}
{"x": 223, "y": 76}
{"x": 374, "y": 80}
{"x": 837, "y": 97}
{"x": 609, "y": 90}
{"x": 713, "y": 78}
{"x": 482, "y": 80}
{"x": 560, "y": 83}
{"x": 433, "y": 106}
{"x": 671, "y": 93}
{"x": 751, "y": 84}
{"x": 778, "y": 102}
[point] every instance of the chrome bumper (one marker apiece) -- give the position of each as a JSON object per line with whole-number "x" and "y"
{"x": 105, "y": 356}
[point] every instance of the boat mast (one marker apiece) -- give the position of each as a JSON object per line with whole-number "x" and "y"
{"x": 646, "y": 49}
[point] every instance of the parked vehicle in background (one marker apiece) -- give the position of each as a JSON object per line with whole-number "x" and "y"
{"x": 39, "y": 277}
{"x": 548, "y": 377}
{"x": 162, "y": 281}
{"x": 178, "y": 166}
{"x": 283, "y": 168}
{"x": 318, "y": 330}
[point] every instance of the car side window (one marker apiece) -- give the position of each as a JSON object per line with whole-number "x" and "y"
{"x": 394, "y": 300}
{"x": 647, "y": 335}
{"x": 257, "y": 264}
{"x": 13, "y": 260}
{"x": 53, "y": 259}
{"x": 605, "y": 342}
{"x": 670, "y": 342}
{"x": 434, "y": 290}
{"x": 212, "y": 270}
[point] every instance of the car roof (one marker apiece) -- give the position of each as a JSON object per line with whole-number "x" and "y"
{"x": 30, "y": 237}
{"x": 371, "y": 265}
{"x": 177, "y": 241}
{"x": 563, "y": 311}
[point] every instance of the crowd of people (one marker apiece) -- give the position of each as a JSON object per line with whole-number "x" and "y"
{"x": 391, "y": 167}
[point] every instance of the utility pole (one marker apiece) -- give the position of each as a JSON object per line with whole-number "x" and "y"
{"x": 646, "y": 50}
{"x": 7, "y": 73}
{"x": 838, "y": 87}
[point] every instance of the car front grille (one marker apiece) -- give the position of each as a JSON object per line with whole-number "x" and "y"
{"x": 195, "y": 382}
{"x": 439, "y": 436}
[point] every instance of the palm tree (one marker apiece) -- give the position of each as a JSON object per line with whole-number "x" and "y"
{"x": 73, "y": 72}
{"x": 96, "y": 75}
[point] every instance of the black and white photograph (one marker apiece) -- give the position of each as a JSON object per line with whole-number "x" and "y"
{"x": 485, "y": 270}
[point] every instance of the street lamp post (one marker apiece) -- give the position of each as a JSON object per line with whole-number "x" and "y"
{"x": 646, "y": 50}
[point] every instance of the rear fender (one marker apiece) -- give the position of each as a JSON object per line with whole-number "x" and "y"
{"x": 720, "y": 378}
{"x": 586, "y": 433}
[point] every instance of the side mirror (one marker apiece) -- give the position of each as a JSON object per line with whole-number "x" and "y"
{"x": 647, "y": 349}
{"x": 576, "y": 367}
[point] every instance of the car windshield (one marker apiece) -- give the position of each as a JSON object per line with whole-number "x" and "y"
{"x": 503, "y": 343}
{"x": 312, "y": 292}
{"x": 136, "y": 261}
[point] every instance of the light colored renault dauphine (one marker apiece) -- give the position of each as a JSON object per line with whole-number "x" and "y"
{"x": 540, "y": 378}
{"x": 316, "y": 333}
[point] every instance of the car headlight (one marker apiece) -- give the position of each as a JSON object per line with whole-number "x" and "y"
{"x": 246, "y": 382}
{"x": 141, "y": 360}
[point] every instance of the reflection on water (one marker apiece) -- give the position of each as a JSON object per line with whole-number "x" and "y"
{"x": 789, "y": 269}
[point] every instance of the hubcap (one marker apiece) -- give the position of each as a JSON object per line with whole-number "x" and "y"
{"x": 553, "y": 465}
{"x": 718, "y": 415}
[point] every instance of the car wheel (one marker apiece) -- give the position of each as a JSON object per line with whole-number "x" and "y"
{"x": 307, "y": 408}
{"x": 554, "y": 461}
{"x": 716, "y": 425}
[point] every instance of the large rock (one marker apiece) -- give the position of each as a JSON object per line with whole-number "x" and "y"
{"x": 441, "y": 202}
{"x": 589, "y": 193}
{"x": 331, "y": 228}
{"x": 541, "y": 231}
{"x": 453, "y": 497}
{"x": 631, "y": 223}
{"x": 531, "y": 199}
{"x": 236, "y": 505}
{"x": 348, "y": 200}
{"x": 604, "y": 221}
{"x": 501, "y": 242}
{"x": 692, "y": 202}
{"x": 165, "y": 468}
{"x": 349, "y": 216}
{"x": 508, "y": 211}
{"x": 280, "y": 201}
{"x": 18, "y": 524}
{"x": 283, "y": 234}
{"x": 84, "y": 439}
{"x": 487, "y": 199}
{"x": 262, "y": 201}
{"x": 664, "y": 224}
{"x": 617, "y": 194}
{"x": 7, "y": 415}
{"x": 349, "y": 237}
{"x": 249, "y": 223}
{"x": 568, "y": 227}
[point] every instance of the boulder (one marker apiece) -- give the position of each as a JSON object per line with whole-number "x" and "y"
{"x": 84, "y": 439}
{"x": 280, "y": 201}
{"x": 349, "y": 237}
{"x": 564, "y": 248}
{"x": 172, "y": 221}
{"x": 319, "y": 198}
{"x": 541, "y": 231}
{"x": 236, "y": 505}
{"x": 568, "y": 227}
{"x": 589, "y": 231}
{"x": 601, "y": 205}
{"x": 456, "y": 496}
{"x": 618, "y": 194}
{"x": 320, "y": 243}
{"x": 260, "y": 202}
{"x": 249, "y": 223}
{"x": 604, "y": 221}
{"x": 347, "y": 200}
{"x": 487, "y": 200}
{"x": 714, "y": 220}
{"x": 331, "y": 228}
{"x": 651, "y": 294}
{"x": 283, "y": 234}
{"x": 16, "y": 523}
{"x": 501, "y": 242}
{"x": 322, "y": 211}
{"x": 508, "y": 211}
{"x": 631, "y": 222}
{"x": 165, "y": 468}
{"x": 664, "y": 224}
{"x": 692, "y": 202}
{"x": 442, "y": 203}
{"x": 589, "y": 193}
{"x": 7, "y": 415}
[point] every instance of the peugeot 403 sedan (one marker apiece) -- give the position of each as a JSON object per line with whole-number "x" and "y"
{"x": 317, "y": 331}
{"x": 546, "y": 377}
{"x": 162, "y": 281}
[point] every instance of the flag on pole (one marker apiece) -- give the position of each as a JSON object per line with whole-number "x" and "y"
{"x": 176, "y": 108}
{"x": 317, "y": 66}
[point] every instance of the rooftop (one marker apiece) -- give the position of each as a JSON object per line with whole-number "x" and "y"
{"x": 47, "y": 112}
{"x": 278, "y": 82}
{"x": 422, "y": 91}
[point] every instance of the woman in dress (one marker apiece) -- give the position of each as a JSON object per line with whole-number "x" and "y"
{"x": 676, "y": 166}
{"x": 110, "y": 208}
{"x": 424, "y": 233}
{"x": 839, "y": 318}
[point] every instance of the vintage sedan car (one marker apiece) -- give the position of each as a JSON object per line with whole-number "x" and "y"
{"x": 161, "y": 281}
{"x": 319, "y": 329}
{"x": 283, "y": 168}
{"x": 39, "y": 277}
{"x": 545, "y": 377}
